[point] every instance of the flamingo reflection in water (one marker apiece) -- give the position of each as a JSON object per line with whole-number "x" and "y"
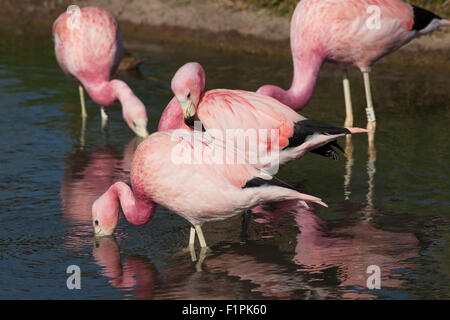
{"x": 83, "y": 183}
{"x": 137, "y": 273}
{"x": 348, "y": 247}
{"x": 328, "y": 261}
{"x": 238, "y": 272}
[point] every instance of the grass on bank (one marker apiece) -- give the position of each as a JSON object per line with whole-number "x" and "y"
{"x": 288, "y": 6}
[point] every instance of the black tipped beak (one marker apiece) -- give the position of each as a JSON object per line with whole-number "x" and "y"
{"x": 190, "y": 122}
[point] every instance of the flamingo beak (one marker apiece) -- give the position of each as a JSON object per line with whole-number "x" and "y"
{"x": 99, "y": 232}
{"x": 140, "y": 128}
{"x": 188, "y": 108}
{"x": 141, "y": 132}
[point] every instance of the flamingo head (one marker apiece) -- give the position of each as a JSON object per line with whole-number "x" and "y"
{"x": 105, "y": 215}
{"x": 136, "y": 118}
{"x": 187, "y": 85}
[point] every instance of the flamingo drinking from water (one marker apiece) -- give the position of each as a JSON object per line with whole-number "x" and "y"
{"x": 88, "y": 47}
{"x": 222, "y": 110}
{"x": 189, "y": 173}
{"x": 350, "y": 33}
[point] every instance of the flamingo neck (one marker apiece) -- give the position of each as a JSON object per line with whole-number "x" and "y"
{"x": 172, "y": 117}
{"x": 122, "y": 92}
{"x": 137, "y": 208}
{"x": 106, "y": 93}
{"x": 306, "y": 71}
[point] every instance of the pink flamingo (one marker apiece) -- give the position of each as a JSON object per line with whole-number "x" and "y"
{"x": 350, "y": 33}
{"x": 88, "y": 47}
{"x": 245, "y": 112}
{"x": 199, "y": 191}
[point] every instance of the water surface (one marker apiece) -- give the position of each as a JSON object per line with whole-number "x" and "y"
{"x": 388, "y": 207}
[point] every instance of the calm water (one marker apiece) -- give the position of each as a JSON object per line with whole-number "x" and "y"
{"x": 389, "y": 208}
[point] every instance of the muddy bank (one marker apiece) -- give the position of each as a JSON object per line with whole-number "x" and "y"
{"x": 227, "y": 24}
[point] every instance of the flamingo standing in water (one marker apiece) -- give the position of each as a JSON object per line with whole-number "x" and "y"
{"x": 179, "y": 170}
{"x": 349, "y": 33}
{"x": 88, "y": 47}
{"x": 224, "y": 109}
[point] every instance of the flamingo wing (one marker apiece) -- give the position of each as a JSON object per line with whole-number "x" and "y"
{"x": 243, "y": 110}
{"x": 196, "y": 177}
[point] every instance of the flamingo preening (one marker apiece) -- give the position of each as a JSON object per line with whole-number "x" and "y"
{"x": 88, "y": 48}
{"x": 244, "y": 112}
{"x": 349, "y": 33}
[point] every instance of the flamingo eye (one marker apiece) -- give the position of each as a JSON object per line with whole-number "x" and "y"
{"x": 189, "y": 95}
{"x": 96, "y": 222}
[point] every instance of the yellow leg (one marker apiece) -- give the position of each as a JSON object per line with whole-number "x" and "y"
{"x": 83, "y": 103}
{"x": 190, "y": 248}
{"x": 348, "y": 101}
{"x": 191, "y": 245}
{"x": 201, "y": 238}
{"x": 192, "y": 237}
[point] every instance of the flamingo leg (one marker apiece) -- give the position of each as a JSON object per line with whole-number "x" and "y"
{"x": 201, "y": 238}
{"x": 192, "y": 251}
{"x": 371, "y": 120}
{"x": 198, "y": 266}
{"x": 83, "y": 103}
{"x": 192, "y": 237}
{"x": 348, "y": 101}
{"x": 191, "y": 246}
{"x": 105, "y": 117}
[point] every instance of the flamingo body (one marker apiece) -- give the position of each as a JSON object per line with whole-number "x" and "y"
{"x": 200, "y": 191}
{"x": 88, "y": 48}
{"x": 237, "y": 113}
{"x": 349, "y": 33}
{"x": 341, "y": 31}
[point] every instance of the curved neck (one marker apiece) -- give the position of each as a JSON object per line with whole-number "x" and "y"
{"x": 172, "y": 117}
{"x": 107, "y": 92}
{"x": 122, "y": 92}
{"x": 306, "y": 71}
{"x": 137, "y": 208}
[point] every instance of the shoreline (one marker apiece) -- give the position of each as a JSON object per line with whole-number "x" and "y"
{"x": 220, "y": 24}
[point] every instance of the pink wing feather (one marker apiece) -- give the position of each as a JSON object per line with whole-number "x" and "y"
{"x": 238, "y": 109}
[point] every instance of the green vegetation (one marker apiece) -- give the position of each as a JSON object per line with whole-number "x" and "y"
{"x": 288, "y": 6}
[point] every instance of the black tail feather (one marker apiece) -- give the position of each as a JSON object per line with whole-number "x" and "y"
{"x": 260, "y": 182}
{"x": 422, "y": 18}
{"x": 307, "y": 128}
